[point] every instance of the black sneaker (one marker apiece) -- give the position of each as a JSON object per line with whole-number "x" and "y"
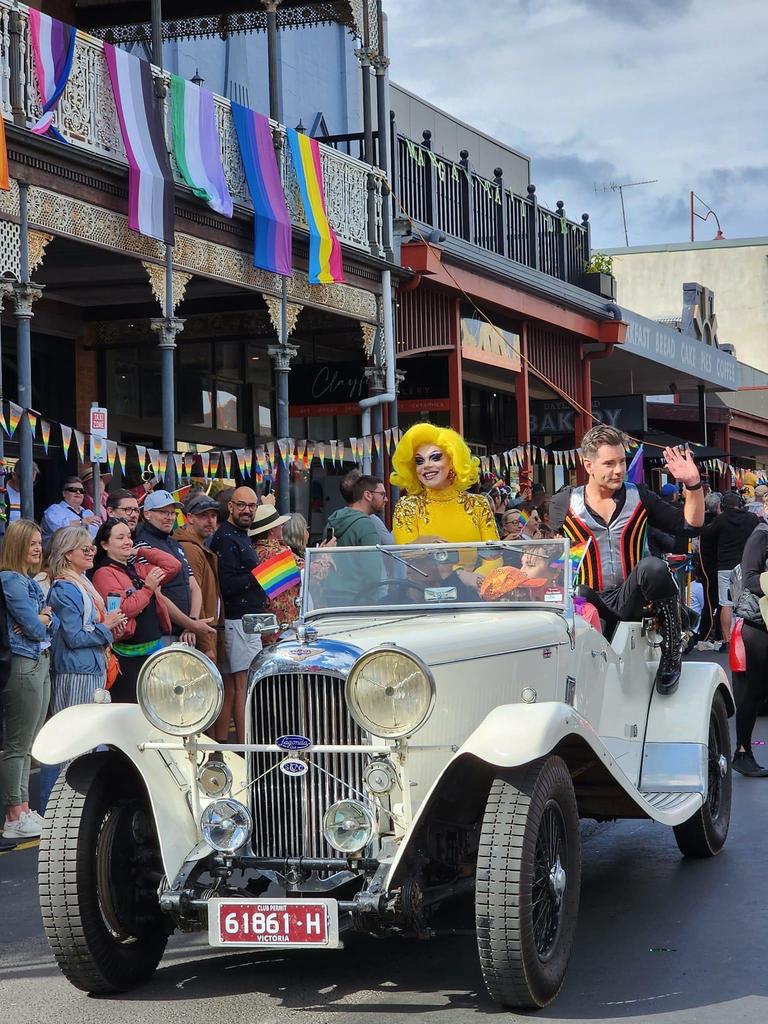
{"x": 745, "y": 764}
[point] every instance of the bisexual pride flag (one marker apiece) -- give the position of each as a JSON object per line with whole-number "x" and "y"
{"x": 271, "y": 220}
{"x": 277, "y": 574}
{"x": 53, "y": 47}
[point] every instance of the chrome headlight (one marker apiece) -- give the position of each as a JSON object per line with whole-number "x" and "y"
{"x": 348, "y": 826}
{"x": 226, "y": 825}
{"x": 214, "y": 778}
{"x": 390, "y": 693}
{"x": 180, "y": 690}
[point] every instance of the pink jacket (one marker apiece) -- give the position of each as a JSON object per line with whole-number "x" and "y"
{"x": 109, "y": 579}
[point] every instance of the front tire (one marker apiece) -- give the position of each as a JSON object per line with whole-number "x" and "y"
{"x": 98, "y": 872}
{"x": 705, "y": 833}
{"x": 528, "y": 884}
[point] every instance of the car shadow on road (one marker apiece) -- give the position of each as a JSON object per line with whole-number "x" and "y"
{"x": 647, "y": 943}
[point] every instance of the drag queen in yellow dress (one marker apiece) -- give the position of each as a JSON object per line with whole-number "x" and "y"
{"x": 436, "y": 468}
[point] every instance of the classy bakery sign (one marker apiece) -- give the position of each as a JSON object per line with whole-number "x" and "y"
{"x": 334, "y": 389}
{"x": 625, "y": 412}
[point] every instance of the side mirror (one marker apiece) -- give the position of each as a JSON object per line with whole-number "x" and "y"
{"x": 257, "y": 623}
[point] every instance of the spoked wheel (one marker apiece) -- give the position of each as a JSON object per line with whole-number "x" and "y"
{"x": 705, "y": 833}
{"x": 528, "y": 883}
{"x": 99, "y": 870}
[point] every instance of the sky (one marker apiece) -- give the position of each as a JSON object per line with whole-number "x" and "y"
{"x": 601, "y": 92}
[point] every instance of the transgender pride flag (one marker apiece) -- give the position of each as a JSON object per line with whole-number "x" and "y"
{"x": 150, "y": 179}
{"x": 53, "y": 47}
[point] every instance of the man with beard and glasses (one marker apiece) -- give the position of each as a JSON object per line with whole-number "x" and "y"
{"x": 241, "y": 595}
{"x": 613, "y": 516}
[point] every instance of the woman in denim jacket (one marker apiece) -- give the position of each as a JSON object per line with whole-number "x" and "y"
{"x": 85, "y": 627}
{"x": 25, "y": 699}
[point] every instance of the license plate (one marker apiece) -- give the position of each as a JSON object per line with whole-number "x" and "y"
{"x": 284, "y": 923}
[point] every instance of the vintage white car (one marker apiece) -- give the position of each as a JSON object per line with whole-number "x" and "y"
{"x": 436, "y": 723}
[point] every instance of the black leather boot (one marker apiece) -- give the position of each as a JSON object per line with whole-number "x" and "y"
{"x": 668, "y": 675}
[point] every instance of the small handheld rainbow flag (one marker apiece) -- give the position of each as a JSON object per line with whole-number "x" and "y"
{"x": 576, "y": 554}
{"x": 277, "y": 574}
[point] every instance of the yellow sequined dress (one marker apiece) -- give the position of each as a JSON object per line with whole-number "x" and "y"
{"x": 453, "y": 515}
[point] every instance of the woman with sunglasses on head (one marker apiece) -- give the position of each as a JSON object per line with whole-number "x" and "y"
{"x": 24, "y": 700}
{"x": 135, "y": 587}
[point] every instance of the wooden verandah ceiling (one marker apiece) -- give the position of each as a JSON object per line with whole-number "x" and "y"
{"x": 128, "y": 21}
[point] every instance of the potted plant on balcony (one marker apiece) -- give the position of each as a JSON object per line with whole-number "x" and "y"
{"x": 598, "y": 276}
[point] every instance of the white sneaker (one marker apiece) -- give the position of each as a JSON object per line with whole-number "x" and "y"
{"x": 24, "y": 827}
{"x": 35, "y": 816}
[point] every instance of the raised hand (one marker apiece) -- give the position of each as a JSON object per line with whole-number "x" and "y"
{"x": 681, "y": 466}
{"x": 154, "y": 578}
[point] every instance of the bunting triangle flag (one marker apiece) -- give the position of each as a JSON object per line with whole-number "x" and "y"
{"x": 377, "y": 444}
{"x": 141, "y": 454}
{"x": 80, "y": 442}
{"x": 353, "y": 446}
{"x": 161, "y": 464}
{"x": 240, "y": 455}
{"x": 45, "y": 432}
{"x": 66, "y": 438}
{"x": 270, "y": 452}
{"x": 111, "y": 455}
{"x": 154, "y": 460}
{"x": 388, "y": 440}
{"x": 32, "y": 421}
{"x": 333, "y": 445}
{"x": 282, "y": 447}
{"x": 122, "y": 455}
{"x": 3, "y": 423}
{"x": 309, "y": 454}
{"x": 367, "y": 446}
{"x": 178, "y": 461}
{"x": 320, "y": 451}
{"x": 249, "y": 462}
{"x": 205, "y": 463}
{"x": 15, "y": 413}
{"x": 227, "y": 456}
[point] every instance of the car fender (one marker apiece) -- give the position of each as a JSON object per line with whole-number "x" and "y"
{"x": 511, "y": 736}
{"x": 76, "y": 731}
{"x": 684, "y": 716}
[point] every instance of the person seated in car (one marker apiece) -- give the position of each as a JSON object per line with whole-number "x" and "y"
{"x": 614, "y": 516}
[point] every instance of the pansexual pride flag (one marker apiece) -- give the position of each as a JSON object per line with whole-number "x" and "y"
{"x": 150, "y": 180}
{"x": 196, "y": 144}
{"x": 277, "y": 574}
{"x": 271, "y": 220}
{"x": 53, "y": 47}
{"x": 324, "y": 249}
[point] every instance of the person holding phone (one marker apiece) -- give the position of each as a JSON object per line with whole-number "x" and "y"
{"x": 137, "y": 585}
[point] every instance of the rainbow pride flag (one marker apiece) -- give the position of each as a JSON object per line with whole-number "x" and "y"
{"x": 575, "y": 556}
{"x": 271, "y": 220}
{"x": 324, "y": 249}
{"x": 277, "y": 574}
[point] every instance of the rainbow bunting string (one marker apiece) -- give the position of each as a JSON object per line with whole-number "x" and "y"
{"x": 324, "y": 249}
{"x": 277, "y": 574}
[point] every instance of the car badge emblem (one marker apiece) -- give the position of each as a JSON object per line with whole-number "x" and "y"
{"x": 294, "y": 766}
{"x": 302, "y": 653}
{"x": 293, "y": 742}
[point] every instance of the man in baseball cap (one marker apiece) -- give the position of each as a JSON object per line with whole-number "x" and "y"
{"x": 182, "y": 593}
{"x": 201, "y": 514}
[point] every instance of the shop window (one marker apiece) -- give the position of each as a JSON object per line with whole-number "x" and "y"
{"x": 227, "y": 407}
{"x": 195, "y": 401}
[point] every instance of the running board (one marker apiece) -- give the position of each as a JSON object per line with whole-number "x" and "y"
{"x": 671, "y": 808}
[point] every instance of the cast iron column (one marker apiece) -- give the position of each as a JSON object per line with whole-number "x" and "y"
{"x": 6, "y": 291}
{"x": 25, "y": 294}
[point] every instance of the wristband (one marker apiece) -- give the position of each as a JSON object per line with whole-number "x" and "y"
{"x": 694, "y": 487}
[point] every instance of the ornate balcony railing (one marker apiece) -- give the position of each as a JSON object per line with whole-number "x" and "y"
{"x": 451, "y": 197}
{"x": 87, "y": 118}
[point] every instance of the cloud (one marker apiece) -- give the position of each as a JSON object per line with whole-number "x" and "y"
{"x": 606, "y": 91}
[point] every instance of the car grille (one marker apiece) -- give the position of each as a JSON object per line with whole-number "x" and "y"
{"x": 288, "y": 810}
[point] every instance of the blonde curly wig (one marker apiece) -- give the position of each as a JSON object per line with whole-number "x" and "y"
{"x": 465, "y": 464}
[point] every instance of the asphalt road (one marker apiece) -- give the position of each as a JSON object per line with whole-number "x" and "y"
{"x": 659, "y": 939}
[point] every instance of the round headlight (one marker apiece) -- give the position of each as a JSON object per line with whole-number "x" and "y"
{"x": 226, "y": 825}
{"x": 348, "y": 826}
{"x": 390, "y": 693}
{"x": 180, "y": 690}
{"x": 214, "y": 778}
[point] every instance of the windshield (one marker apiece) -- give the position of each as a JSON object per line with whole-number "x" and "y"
{"x": 501, "y": 573}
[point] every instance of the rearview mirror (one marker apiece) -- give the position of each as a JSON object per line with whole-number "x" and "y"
{"x": 256, "y": 623}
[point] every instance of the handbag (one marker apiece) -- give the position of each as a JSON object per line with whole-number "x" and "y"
{"x": 113, "y": 668}
{"x": 747, "y": 607}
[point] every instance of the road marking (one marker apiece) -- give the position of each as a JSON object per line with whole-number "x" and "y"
{"x": 29, "y": 845}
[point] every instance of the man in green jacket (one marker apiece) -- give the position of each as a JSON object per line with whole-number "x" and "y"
{"x": 357, "y": 576}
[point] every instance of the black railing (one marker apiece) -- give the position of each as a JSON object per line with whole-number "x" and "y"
{"x": 452, "y": 198}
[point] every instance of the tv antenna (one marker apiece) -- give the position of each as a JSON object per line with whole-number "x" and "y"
{"x": 614, "y": 187}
